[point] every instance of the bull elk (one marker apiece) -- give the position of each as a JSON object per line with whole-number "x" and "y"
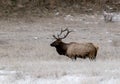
{"x": 74, "y": 50}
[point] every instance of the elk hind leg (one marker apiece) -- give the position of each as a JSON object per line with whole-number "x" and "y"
{"x": 92, "y": 56}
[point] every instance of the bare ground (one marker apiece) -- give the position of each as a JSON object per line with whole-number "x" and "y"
{"x": 25, "y": 51}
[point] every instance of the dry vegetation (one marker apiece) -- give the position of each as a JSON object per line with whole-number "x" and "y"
{"x": 48, "y": 7}
{"x": 25, "y": 48}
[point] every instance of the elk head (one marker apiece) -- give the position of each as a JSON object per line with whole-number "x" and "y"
{"x": 58, "y": 40}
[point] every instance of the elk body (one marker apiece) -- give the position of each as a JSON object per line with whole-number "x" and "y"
{"x": 74, "y": 50}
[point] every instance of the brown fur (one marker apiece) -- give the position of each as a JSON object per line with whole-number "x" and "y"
{"x": 81, "y": 50}
{"x": 76, "y": 50}
{"x": 73, "y": 49}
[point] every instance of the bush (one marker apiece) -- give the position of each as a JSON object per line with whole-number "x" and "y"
{"x": 81, "y": 6}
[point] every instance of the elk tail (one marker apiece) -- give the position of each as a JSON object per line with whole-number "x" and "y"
{"x": 96, "y": 50}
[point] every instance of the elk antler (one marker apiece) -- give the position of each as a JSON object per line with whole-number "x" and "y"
{"x": 61, "y": 32}
{"x": 68, "y": 31}
{"x": 58, "y": 36}
{"x": 55, "y": 37}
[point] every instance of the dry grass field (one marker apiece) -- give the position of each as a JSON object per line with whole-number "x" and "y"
{"x": 27, "y": 58}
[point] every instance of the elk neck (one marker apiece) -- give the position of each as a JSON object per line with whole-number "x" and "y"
{"x": 62, "y": 48}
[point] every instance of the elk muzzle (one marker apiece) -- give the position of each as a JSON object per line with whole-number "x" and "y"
{"x": 51, "y": 45}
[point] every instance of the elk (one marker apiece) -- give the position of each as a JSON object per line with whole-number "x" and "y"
{"x": 74, "y": 50}
{"x": 108, "y": 17}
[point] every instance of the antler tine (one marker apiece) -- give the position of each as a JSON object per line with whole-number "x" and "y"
{"x": 68, "y": 31}
{"x": 61, "y": 32}
{"x": 58, "y": 35}
{"x": 54, "y": 36}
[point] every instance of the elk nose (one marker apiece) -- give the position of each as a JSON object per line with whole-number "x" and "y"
{"x": 51, "y": 45}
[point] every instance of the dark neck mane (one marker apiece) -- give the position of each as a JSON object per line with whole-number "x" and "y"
{"x": 62, "y": 48}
